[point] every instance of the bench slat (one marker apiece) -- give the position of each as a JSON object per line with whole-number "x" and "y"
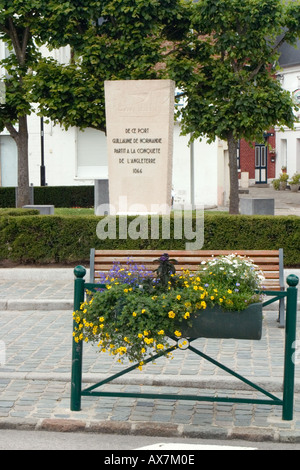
{"x": 269, "y": 261}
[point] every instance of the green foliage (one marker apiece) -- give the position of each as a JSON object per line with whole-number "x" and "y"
{"x": 276, "y": 184}
{"x": 283, "y": 177}
{"x": 224, "y": 68}
{"x": 234, "y": 275}
{"x": 135, "y": 319}
{"x": 58, "y": 239}
{"x": 110, "y": 40}
{"x": 18, "y": 212}
{"x": 295, "y": 179}
{"x": 59, "y": 196}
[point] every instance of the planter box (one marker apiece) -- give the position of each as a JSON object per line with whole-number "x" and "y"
{"x": 256, "y": 206}
{"x": 294, "y": 187}
{"x": 218, "y": 323}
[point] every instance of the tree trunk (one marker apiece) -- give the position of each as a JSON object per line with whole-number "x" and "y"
{"x": 21, "y": 138}
{"x": 233, "y": 175}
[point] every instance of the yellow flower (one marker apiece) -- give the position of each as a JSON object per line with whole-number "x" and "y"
{"x": 134, "y": 314}
{"x": 146, "y": 333}
{"x": 108, "y": 287}
{"x": 125, "y": 290}
{"x": 229, "y": 291}
{"x": 177, "y": 333}
{"x": 101, "y": 319}
{"x": 186, "y": 315}
{"x": 178, "y": 297}
{"x": 143, "y": 311}
{"x": 171, "y": 314}
{"x": 212, "y": 297}
{"x": 203, "y": 304}
{"x": 161, "y": 332}
{"x": 140, "y": 335}
{"x": 160, "y": 346}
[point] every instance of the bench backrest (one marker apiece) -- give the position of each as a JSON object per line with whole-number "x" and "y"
{"x": 268, "y": 261}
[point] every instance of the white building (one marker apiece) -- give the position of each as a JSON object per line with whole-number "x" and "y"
{"x": 77, "y": 157}
{"x": 288, "y": 141}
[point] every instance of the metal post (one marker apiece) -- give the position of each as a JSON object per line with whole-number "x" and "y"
{"x": 43, "y": 168}
{"x": 76, "y": 379}
{"x": 290, "y": 338}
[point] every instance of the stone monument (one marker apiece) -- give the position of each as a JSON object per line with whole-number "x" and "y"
{"x": 140, "y": 124}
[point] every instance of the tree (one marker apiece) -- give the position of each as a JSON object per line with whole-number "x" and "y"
{"x": 109, "y": 39}
{"x": 16, "y": 20}
{"x": 225, "y": 68}
{"x": 122, "y": 40}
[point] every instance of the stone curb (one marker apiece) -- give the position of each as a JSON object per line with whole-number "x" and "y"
{"x": 24, "y": 305}
{"x": 162, "y": 380}
{"x": 253, "y": 434}
{"x": 39, "y": 274}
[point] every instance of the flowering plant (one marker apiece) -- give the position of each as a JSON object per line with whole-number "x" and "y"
{"x": 234, "y": 275}
{"x": 137, "y": 313}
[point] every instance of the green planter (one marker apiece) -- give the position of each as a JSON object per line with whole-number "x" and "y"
{"x": 218, "y": 323}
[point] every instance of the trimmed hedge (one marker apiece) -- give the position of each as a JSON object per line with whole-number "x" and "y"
{"x": 59, "y": 196}
{"x": 58, "y": 239}
{"x": 19, "y": 212}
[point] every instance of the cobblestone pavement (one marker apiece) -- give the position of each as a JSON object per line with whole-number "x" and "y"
{"x": 35, "y": 382}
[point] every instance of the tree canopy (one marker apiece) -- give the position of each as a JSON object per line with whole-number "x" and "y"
{"x": 109, "y": 40}
{"x": 226, "y": 67}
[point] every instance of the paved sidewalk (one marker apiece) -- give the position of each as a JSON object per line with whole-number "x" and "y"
{"x": 35, "y": 346}
{"x": 286, "y": 202}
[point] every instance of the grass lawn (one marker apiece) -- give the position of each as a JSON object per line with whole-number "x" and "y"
{"x": 82, "y": 212}
{"x": 74, "y": 211}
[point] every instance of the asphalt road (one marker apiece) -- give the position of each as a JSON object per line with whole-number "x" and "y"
{"x": 43, "y": 440}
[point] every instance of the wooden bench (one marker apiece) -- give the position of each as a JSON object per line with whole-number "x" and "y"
{"x": 270, "y": 262}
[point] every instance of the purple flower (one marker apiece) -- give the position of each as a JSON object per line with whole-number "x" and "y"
{"x": 164, "y": 257}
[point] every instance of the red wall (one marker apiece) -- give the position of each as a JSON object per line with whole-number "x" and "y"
{"x": 247, "y": 157}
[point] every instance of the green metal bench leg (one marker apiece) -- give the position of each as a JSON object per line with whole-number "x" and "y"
{"x": 281, "y": 315}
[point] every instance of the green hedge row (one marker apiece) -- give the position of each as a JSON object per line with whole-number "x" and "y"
{"x": 50, "y": 239}
{"x": 18, "y": 212}
{"x": 59, "y": 196}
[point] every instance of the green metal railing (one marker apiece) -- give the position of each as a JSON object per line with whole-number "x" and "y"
{"x": 287, "y": 402}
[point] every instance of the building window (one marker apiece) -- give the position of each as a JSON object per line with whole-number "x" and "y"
{"x": 283, "y": 152}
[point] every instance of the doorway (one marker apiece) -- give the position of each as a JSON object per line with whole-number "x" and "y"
{"x": 261, "y": 170}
